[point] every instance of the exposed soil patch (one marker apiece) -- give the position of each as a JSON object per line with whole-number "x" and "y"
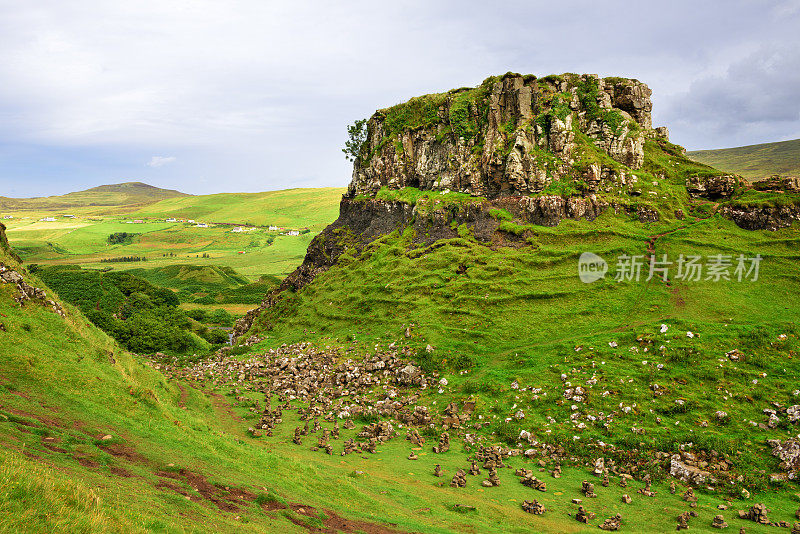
{"x": 220, "y": 403}
{"x": 87, "y": 462}
{"x": 679, "y": 302}
{"x": 121, "y": 472}
{"x": 271, "y": 506}
{"x": 179, "y": 490}
{"x": 47, "y": 421}
{"x": 118, "y": 450}
{"x": 334, "y": 523}
{"x": 226, "y": 498}
{"x": 53, "y": 448}
{"x": 184, "y": 396}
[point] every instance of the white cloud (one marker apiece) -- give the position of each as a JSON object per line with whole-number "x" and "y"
{"x": 160, "y": 161}
{"x": 258, "y": 94}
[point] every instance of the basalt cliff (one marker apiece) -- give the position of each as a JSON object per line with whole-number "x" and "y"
{"x": 517, "y": 152}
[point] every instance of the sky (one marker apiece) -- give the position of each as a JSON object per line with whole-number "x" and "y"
{"x": 242, "y": 95}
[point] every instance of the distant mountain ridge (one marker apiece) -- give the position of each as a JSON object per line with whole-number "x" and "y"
{"x": 754, "y": 161}
{"x": 122, "y": 194}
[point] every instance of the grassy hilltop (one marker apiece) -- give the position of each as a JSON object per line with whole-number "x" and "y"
{"x": 124, "y": 195}
{"x": 754, "y": 161}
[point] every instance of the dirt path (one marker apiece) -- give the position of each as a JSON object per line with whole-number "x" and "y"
{"x": 184, "y": 395}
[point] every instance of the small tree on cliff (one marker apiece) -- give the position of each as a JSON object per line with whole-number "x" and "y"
{"x": 356, "y": 137}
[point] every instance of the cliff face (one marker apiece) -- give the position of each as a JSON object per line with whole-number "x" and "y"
{"x": 363, "y": 221}
{"x": 514, "y": 135}
{"x": 517, "y": 151}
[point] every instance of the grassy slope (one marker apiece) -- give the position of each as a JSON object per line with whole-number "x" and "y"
{"x": 521, "y": 313}
{"x": 68, "y": 385}
{"x": 116, "y": 195}
{"x": 754, "y": 161}
{"x": 95, "y": 389}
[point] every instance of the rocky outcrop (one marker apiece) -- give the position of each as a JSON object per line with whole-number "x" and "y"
{"x": 776, "y": 182}
{"x": 526, "y": 151}
{"x": 788, "y": 452}
{"x": 711, "y": 187}
{"x": 4, "y": 246}
{"x": 685, "y": 472}
{"x": 363, "y": 221}
{"x": 767, "y": 217}
{"x": 26, "y": 292}
{"x": 512, "y": 135}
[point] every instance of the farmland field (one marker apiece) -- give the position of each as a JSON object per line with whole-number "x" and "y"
{"x": 83, "y": 238}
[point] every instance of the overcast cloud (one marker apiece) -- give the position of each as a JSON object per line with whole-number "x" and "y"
{"x": 255, "y": 95}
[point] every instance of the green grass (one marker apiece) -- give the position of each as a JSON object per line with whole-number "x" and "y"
{"x": 522, "y": 314}
{"x": 290, "y": 208}
{"x": 204, "y": 284}
{"x": 425, "y": 199}
{"x": 514, "y": 314}
{"x": 754, "y": 161}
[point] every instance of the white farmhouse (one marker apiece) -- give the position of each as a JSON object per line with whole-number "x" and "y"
{"x": 293, "y": 232}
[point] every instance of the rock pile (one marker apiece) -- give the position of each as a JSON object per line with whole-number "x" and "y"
{"x": 788, "y": 452}
{"x": 612, "y": 523}
{"x": 459, "y": 479}
{"x": 582, "y": 516}
{"x": 533, "y": 507}
{"x": 27, "y": 293}
{"x": 718, "y": 522}
{"x": 756, "y": 513}
{"x": 493, "y": 479}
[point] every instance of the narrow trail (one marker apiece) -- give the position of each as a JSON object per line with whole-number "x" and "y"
{"x": 651, "y": 240}
{"x": 184, "y": 395}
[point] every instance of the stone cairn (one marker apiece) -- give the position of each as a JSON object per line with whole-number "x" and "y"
{"x": 493, "y": 479}
{"x": 533, "y": 507}
{"x": 459, "y": 479}
{"x": 718, "y": 522}
{"x": 757, "y": 513}
{"x": 444, "y": 444}
{"x": 612, "y": 523}
{"x": 582, "y": 516}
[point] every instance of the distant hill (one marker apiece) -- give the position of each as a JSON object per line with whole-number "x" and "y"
{"x": 124, "y": 194}
{"x": 754, "y": 161}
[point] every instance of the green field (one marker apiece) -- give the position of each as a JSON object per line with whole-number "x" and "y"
{"x": 754, "y": 161}
{"x": 291, "y": 208}
{"x": 82, "y": 240}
